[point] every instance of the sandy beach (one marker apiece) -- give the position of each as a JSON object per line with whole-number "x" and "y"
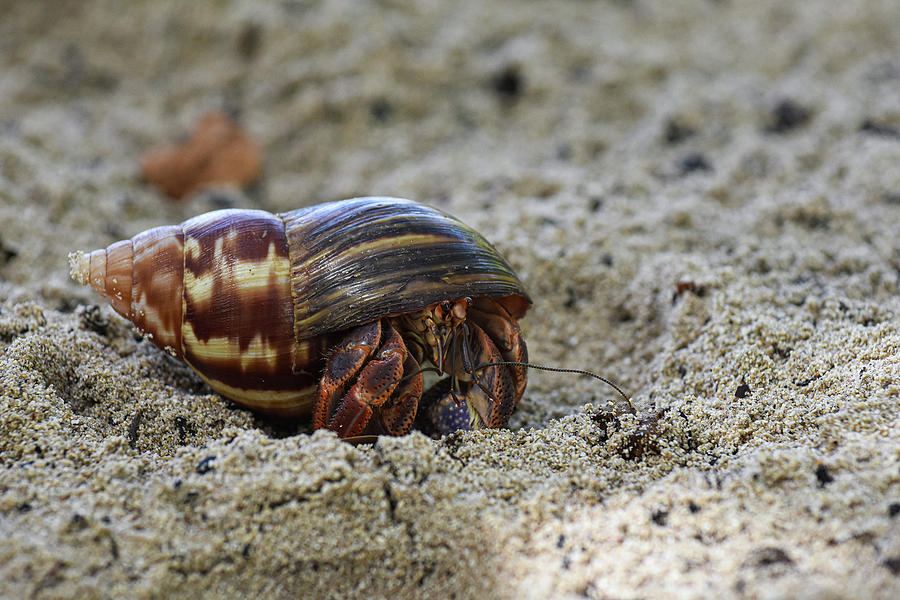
{"x": 701, "y": 196}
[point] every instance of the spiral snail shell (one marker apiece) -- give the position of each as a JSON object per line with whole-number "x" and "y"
{"x": 329, "y": 309}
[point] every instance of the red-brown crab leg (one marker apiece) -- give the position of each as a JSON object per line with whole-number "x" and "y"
{"x": 350, "y": 413}
{"x": 399, "y": 412}
{"x": 344, "y": 362}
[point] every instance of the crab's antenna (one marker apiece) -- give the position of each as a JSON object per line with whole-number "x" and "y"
{"x": 557, "y": 370}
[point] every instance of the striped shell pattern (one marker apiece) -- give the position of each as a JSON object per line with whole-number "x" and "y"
{"x": 253, "y": 301}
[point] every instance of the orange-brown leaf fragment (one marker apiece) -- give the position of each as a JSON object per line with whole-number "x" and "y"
{"x": 218, "y": 151}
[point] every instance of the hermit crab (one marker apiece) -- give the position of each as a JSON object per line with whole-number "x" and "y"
{"x": 334, "y": 310}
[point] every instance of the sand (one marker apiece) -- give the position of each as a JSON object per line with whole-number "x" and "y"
{"x": 703, "y": 198}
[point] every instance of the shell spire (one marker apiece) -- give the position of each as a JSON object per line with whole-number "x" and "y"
{"x": 109, "y": 272}
{"x": 142, "y": 279}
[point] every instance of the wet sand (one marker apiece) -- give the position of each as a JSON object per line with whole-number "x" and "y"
{"x": 703, "y": 199}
